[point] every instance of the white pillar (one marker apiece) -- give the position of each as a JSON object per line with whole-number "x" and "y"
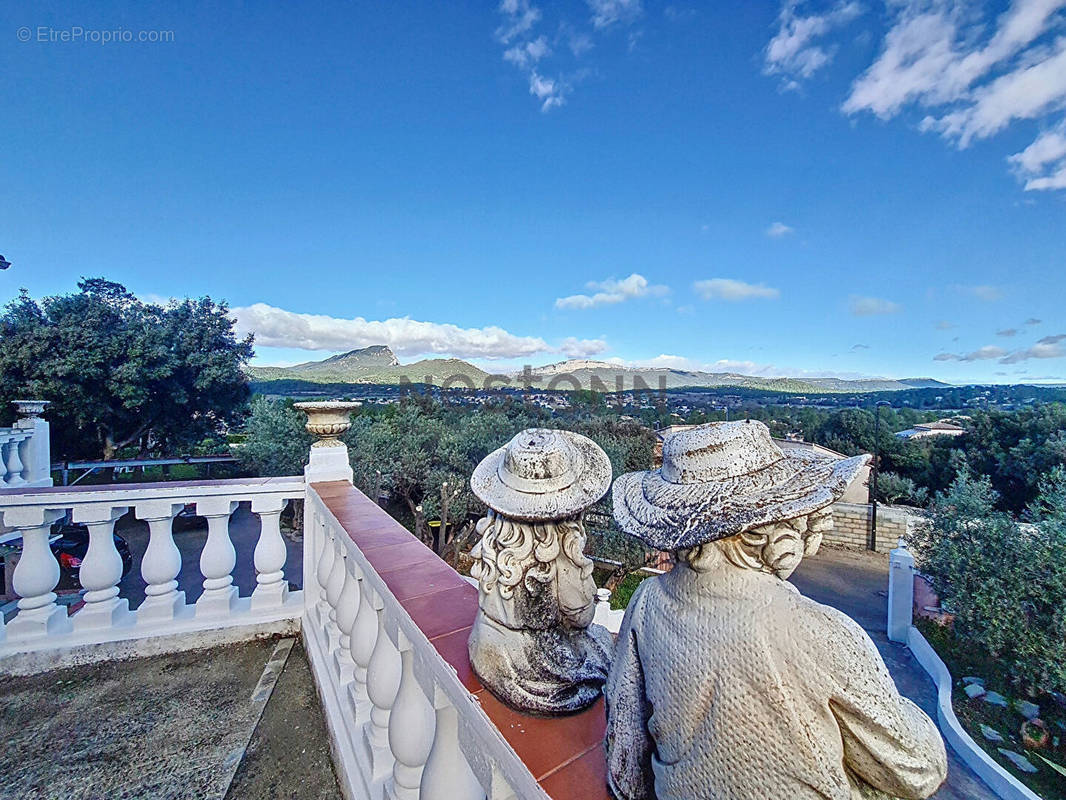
{"x": 382, "y": 683}
{"x": 900, "y": 592}
{"x": 347, "y": 608}
{"x": 334, "y": 585}
{"x": 6, "y": 436}
{"x": 447, "y": 774}
{"x": 161, "y": 563}
{"x": 36, "y": 575}
{"x": 36, "y": 450}
{"x": 411, "y": 722}
{"x": 14, "y": 462}
{"x": 322, "y": 572}
{"x": 217, "y": 559}
{"x": 271, "y": 590}
{"x": 101, "y": 570}
{"x": 364, "y": 637}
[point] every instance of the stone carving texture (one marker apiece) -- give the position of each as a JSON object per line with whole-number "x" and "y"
{"x": 757, "y": 691}
{"x": 327, "y": 420}
{"x": 533, "y": 643}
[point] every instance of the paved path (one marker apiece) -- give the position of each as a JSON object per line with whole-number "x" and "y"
{"x": 857, "y": 584}
{"x": 167, "y": 727}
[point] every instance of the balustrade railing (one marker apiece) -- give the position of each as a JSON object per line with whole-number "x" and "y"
{"x": 384, "y": 620}
{"x": 42, "y": 624}
{"x": 405, "y": 725}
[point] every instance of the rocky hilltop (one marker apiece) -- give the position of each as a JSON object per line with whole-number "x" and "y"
{"x": 379, "y": 365}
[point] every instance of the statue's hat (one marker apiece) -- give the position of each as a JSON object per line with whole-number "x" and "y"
{"x": 543, "y": 474}
{"x": 725, "y": 478}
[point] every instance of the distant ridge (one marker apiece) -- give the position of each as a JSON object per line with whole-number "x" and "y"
{"x": 379, "y": 365}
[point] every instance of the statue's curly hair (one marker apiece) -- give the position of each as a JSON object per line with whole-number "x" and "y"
{"x": 507, "y": 544}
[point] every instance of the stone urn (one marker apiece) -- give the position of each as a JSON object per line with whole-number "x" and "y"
{"x": 30, "y": 409}
{"x": 327, "y": 420}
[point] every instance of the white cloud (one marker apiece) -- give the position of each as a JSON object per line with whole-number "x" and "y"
{"x": 778, "y": 229}
{"x": 1048, "y": 347}
{"x": 519, "y": 16}
{"x": 526, "y": 54}
{"x": 607, "y": 12}
{"x": 733, "y": 290}
{"x": 795, "y": 51}
{"x": 973, "y": 74}
{"x": 543, "y": 58}
{"x": 1042, "y": 165}
{"x": 276, "y": 327}
{"x": 872, "y": 306}
{"x": 612, "y": 292}
{"x": 981, "y": 354}
{"x": 989, "y": 294}
{"x": 1041, "y": 349}
{"x": 1008, "y": 332}
{"x": 944, "y": 325}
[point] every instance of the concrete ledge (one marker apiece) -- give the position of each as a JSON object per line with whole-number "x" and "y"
{"x": 1005, "y": 785}
{"x": 188, "y": 633}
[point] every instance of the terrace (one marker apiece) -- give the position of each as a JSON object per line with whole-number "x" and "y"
{"x": 382, "y": 622}
{"x": 227, "y": 681}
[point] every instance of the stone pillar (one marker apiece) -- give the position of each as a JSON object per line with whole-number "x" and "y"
{"x": 329, "y": 455}
{"x": 900, "y": 592}
{"x": 35, "y": 452}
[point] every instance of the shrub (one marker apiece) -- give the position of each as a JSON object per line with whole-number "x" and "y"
{"x": 893, "y": 488}
{"x": 1004, "y": 581}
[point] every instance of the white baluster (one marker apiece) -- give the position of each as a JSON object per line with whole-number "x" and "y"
{"x": 382, "y": 683}
{"x": 217, "y": 559}
{"x": 347, "y": 608}
{"x": 5, "y": 438}
{"x": 447, "y": 774}
{"x": 364, "y": 637}
{"x": 36, "y": 576}
{"x": 411, "y": 722}
{"x": 101, "y": 570}
{"x": 14, "y": 462}
{"x": 161, "y": 563}
{"x": 271, "y": 590}
{"x": 325, "y": 566}
{"x": 334, "y": 585}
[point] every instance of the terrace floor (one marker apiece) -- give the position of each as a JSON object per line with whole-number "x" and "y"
{"x": 240, "y": 721}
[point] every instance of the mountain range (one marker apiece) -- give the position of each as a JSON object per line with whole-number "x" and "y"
{"x": 378, "y": 365}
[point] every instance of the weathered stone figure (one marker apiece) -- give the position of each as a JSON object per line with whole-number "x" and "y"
{"x": 728, "y": 683}
{"x": 533, "y": 644}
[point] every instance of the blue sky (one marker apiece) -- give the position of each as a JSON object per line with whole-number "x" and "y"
{"x": 815, "y": 188}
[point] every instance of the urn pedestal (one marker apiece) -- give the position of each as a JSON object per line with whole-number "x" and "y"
{"x": 329, "y": 455}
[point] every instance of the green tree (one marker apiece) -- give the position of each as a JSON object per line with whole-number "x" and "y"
{"x": 276, "y": 441}
{"x": 121, "y": 373}
{"x": 1004, "y": 581}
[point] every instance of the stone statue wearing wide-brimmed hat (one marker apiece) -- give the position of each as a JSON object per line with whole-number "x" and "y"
{"x": 533, "y": 644}
{"x": 728, "y": 683}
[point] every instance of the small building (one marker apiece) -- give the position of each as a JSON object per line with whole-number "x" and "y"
{"x": 925, "y": 430}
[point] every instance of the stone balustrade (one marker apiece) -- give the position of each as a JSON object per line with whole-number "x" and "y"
{"x": 25, "y": 448}
{"x": 43, "y": 631}
{"x": 386, "y": 627}
{"x": 384, "y": 620}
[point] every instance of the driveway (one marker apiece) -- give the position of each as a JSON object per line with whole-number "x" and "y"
{"x": 856, "y": 582}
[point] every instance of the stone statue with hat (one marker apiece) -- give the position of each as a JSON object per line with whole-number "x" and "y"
{"x": 533, "y": 644}
{"x": 727, "y": 682}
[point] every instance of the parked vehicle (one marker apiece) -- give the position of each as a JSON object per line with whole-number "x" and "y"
{"x": 70, "y": 543}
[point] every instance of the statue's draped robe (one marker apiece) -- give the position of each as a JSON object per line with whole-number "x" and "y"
{"x": 729, "y": 684}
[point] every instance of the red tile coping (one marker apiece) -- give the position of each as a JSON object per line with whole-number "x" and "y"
{"x": 565, "y": 754}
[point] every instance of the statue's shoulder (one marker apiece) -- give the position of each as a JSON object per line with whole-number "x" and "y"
{"x": 824, "y": 626}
